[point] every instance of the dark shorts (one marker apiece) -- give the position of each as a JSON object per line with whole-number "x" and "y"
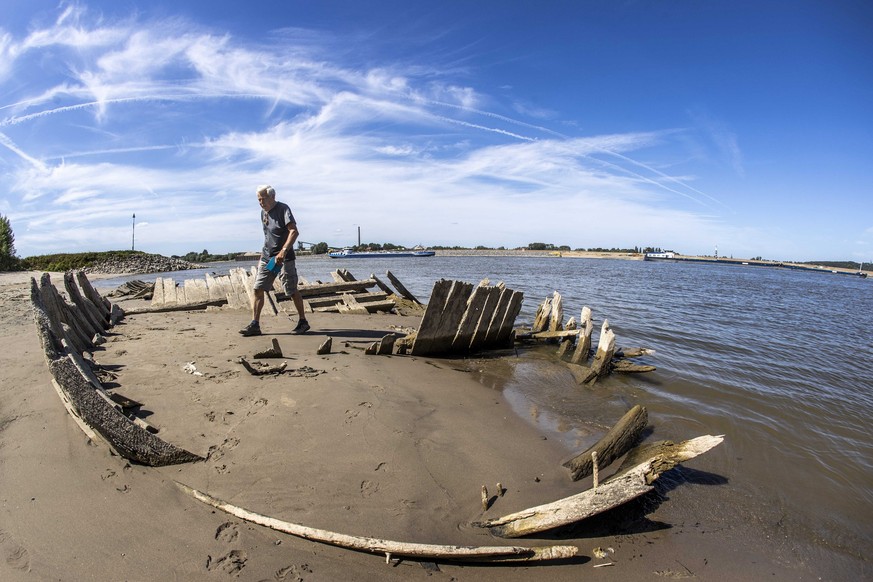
{"x": 287, "y": 276}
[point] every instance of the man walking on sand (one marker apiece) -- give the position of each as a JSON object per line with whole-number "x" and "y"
{"x": 280, "y": 233}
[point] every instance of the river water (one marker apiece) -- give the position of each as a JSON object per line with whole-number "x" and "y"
{"x": 778, "y": 361}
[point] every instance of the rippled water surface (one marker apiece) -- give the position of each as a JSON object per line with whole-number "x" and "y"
{"x": 778, "y": 361}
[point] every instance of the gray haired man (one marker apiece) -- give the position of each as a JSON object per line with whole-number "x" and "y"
{"x": 280, "y": 233}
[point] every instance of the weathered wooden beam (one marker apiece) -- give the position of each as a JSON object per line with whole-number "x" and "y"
{"x": 626, "y": 367}
{"x": 317, "y": 289}
{"x": 382, "y": 285}
{"x": 384, "y": 547}
{"x": 547, "y": 335}
{"x": 59, "y": 309}
{"x": 334, "y": 299}
{"x": 541, "y": 319}
{"x": 350, "y": 305}
{"x": 629, "y": 482}
{"x": 432, "y": 326}
{"x": 325, "y": 347}
{"x": 583, "y": 343}
{"x": 503, "y": 300}
{"x": 93, "y": 320}
{"x": 127, "y": 439}
{"x": 505, "y": 331}
{"x": 615, "y": 443}
{"x": 492, "y": 298}
{"x": 196, "y": 291}
{"x": 556, "y": 317}
{"x": 386, "y": 344}
{"x": 404, "y": 292}
{"x": 605, "y": 350}
{"x": 467, "y": 327}
{"x": 92, "y": 295}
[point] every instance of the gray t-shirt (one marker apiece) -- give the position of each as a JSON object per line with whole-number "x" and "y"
{"x": 276, "y": 223}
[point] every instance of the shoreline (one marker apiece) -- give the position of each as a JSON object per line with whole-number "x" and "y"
{"x": 395, "y": 447}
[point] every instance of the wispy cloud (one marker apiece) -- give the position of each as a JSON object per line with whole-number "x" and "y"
{"x": 179, "y": 124}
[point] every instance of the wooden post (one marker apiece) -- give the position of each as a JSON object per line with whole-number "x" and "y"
{"x": 583, "y": 345}
{"x": 615, "y": 443}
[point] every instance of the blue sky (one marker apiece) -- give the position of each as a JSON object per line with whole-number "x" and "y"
{"x": 682, "y": 124}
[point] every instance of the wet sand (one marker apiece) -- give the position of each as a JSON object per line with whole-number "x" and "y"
{"x": 393, "y": 447}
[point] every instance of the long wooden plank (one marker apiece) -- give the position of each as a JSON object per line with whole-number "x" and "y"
{"x": 87, "y": 311}
{"x": 158, "y": 293}
{"x": 196, "y": 291}
{"x": 169, "y": 291}
{"x": 497, "y": 317}
{"x": 400, "y": 288}
{"x": 439, "y": 325}
{"x": 359, "y": 297}
{"x": 504, "y": 333}
{"x": 387, "y": 547}
{"x": 92, "y": 295}
{"x": 492, "y": 298}
{"x": 215, "y": 289}
{"x": 470, "y": 319}
{"x": 317, "y": 289}
{"x": 583, "y": 343}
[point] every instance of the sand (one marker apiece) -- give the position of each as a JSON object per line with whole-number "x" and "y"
{"x": 394, "y": 447}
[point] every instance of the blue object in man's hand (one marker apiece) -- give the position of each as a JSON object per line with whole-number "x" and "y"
{"x": 273, "y": 266}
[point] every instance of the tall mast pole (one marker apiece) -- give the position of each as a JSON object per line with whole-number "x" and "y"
{"x": 133, "y": 234}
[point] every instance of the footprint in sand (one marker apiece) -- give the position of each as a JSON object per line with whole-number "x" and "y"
{"x": 369, "y": 488}
{"x": 231, "y": 563}
{"x": 292, "y": 573}
{"x": 227, "y": 532}
{"x": 16, "y": 556}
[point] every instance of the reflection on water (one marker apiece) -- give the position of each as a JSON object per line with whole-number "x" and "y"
{"x": 776, "y": 360}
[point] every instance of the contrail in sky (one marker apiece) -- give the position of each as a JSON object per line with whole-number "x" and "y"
{"x": 10, "y": 145}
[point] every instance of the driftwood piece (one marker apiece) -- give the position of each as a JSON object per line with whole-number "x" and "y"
{"x": 626, "y": 367}
{"x": 404, "y": 292}
{"x": 388, "y": 547}
{"x": 273, "y": 352}
{"x": 633, "y": 479}
{"x": 615, "y": 443}
{"x": 325, "y": 347}
{"x": 633, "y": 352}
{"x": 264, "y": 370}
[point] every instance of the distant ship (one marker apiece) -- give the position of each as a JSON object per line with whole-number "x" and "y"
{"x": 350, "y": 254}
